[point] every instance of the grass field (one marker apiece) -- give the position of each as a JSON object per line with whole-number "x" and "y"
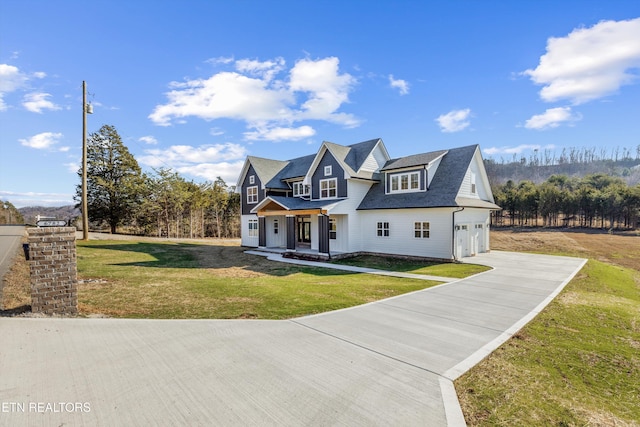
{"x": 413, "y": 266}
{"x": 215, "y": 281}
{"x": 578, "y": 362}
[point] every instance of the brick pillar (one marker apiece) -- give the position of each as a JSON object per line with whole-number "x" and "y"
{"x": 52, "y": 264}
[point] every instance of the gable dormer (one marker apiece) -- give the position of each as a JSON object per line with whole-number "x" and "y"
{"x": 328, "y": 179}
{"x": 411, "y": 174}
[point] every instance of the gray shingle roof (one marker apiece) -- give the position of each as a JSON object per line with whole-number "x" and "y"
{"x": 295, "y": 168}
{"x": 415, "y": 160}
{"x": 266, "y": 168}
{"x": 352, "y": 155}
{"x": 295, "y": 203}
{"x": 359, "y": 152}
{"x": 442, "y": 191}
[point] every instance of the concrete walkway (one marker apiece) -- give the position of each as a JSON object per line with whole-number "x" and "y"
{"x": 279, "y": 258}
{"x": 390, "y": 362}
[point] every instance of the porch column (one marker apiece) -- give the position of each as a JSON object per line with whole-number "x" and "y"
{"x": 323, "y": 234}
{"x": 291, "y": 232}
{"x": 262, "y": 232}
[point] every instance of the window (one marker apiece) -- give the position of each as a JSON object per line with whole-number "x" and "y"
{"x": 300, "y": 189}
{"x": 421, "y": 230}
{"x": 252, "y": 194}
{"x": 332, "y": 228}
{"x": 275, "y": 226}
{"x": 252, "y": 179}
{"x": 409, "y": 181}
{"x": 383, "y": 229}
{"x": 473, "y": 183}
{"x": 329, "y": 188}
{"x": 253, "y": 228}
{"x": 327, "y": 170}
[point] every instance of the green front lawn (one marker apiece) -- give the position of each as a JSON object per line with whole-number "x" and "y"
{"x": 412, "y": 266}
{"x": 185, "y": 280}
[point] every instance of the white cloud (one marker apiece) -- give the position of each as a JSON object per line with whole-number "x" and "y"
{"x": 266, "y": 70}
{"x": 206, "y": 161}
{"x": 73, "y": 167}
{"x": 43, "y": 141}
{"x": 326, "y": 88}
{"x": 280, "y": 134}
{"x": 589, "y": 63}
{"x": 454, "y": 121}
{"x": 220, "y": 60}
{"x": 399, "y": 84}
{"x": 148, "y": 140}
{"x": 20, "y": 200}
{"x": 315, "y": 90}
{"x": 11, "y": 79}
{"x": 516, "y": 150}
{"x": 552, "y": 118}
{"x": 228, "y": 171}
{"x": 37, "y": 101}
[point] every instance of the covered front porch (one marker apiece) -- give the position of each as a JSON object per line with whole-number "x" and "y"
{"x": 297, "y": 227}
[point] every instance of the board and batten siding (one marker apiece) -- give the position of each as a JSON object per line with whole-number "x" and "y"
{"x": 357, "y": 190}
{"x": 244, "y": 231}
{"x": 401, "y": 239}
{"x": 276, "y": 240}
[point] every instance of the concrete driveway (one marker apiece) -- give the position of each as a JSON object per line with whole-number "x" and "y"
{"x": 386, "y": 363}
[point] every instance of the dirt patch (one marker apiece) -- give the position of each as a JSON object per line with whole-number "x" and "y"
{"x": 16, "y": 288}
{"x": 621, "y": 249}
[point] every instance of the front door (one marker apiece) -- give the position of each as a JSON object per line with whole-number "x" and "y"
{"x": 304, "y": 230}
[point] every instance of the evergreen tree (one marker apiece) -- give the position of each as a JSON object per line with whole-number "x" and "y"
{"x": 113, "y": 179}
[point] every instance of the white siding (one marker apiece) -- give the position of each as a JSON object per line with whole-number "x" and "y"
{"x": 401, "y": 240}
{"x": 314, "y": 232}
{"x": 482, "y": 191}
{"x": 244, "y": 231}
{"x": 476, "y": 237}
{"x": 374, "y": 161}
{"x": 431, "y": 170}
{"x": 341, "y": 243}
{"x": 276, "y": 240}
{"x": 356, "y": 190}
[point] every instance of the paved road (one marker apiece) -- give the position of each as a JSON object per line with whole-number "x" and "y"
{"x": 386, "y": 363}
{"x": 10, "y": 236}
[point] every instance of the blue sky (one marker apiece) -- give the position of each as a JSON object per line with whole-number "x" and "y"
{"x": 198, "y": 85}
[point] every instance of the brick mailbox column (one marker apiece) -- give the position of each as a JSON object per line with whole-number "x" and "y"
{"x": 52, "y": 264}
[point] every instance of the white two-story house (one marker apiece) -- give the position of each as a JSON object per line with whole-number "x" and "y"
{"x": 356, "y": 198}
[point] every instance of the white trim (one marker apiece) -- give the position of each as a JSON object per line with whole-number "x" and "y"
{"x": 399, "y": 176}
{"x": 251, "y": 196}
{"x": 328, "y": 189}
{"x": 328, "y": 170}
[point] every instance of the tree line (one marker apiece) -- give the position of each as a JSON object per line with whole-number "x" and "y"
{"x": 594, "y": 201}
{"x": 126, "y": 200}
{"x": 9, "y": 214}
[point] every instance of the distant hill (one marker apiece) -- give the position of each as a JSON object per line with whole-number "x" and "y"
{"x": 59, "y": 212}
{"x": 500, "y": 173}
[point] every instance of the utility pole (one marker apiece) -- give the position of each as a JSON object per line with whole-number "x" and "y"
{"x": 85, "y": 213}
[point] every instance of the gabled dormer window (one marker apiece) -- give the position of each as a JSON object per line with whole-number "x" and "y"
{"x": 404, "y": 182}
{"x": 299, "y": 189}
{"x": 329, "y": 188}
{"x": 252, "y": 195}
